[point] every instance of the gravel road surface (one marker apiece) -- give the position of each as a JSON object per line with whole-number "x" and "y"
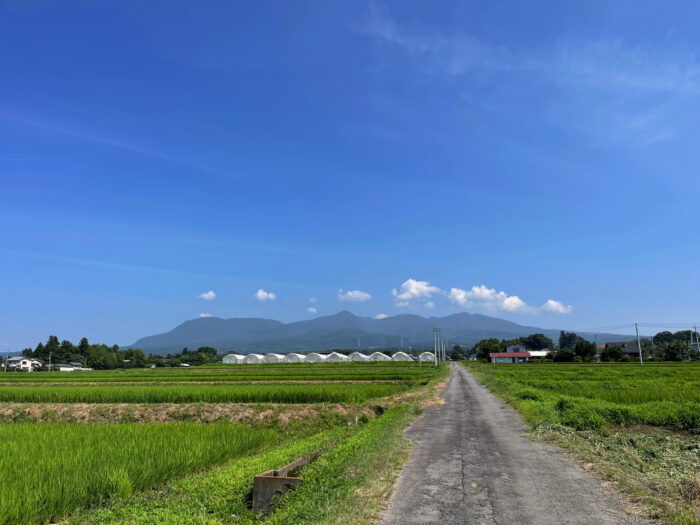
{"x": 472, "y": 463}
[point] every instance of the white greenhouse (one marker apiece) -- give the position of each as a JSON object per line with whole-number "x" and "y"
{"x": 294, "y": 358}
{"x": 426, "y": 356}
{"x": 401, "y": 356}
{"x": 335, "y": 357}
{"x": 233, "y": 359}
{"x": 252, "y": 359}
{"x": 358, "y": 357}
{"x": 273, "y": 358}
{"x": 313, "y": 357}
{"x": 378, "y": 356}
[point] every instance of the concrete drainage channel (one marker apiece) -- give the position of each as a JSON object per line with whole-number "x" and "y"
{"x": 270, "y": 486}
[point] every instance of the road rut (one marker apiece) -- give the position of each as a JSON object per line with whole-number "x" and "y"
{"x": 472, "y": 463}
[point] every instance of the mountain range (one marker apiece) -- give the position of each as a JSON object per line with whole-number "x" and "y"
{"x": 342, "y": 330}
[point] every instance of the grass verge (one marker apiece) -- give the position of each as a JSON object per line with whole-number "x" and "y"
{"x": 347, "y": 484}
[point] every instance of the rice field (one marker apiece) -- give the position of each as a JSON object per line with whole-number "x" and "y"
{"x": 50, "y": 469}
{"x": 589, "y": 396}
{"x": 393, "y": 371}
{"x": 197, "y": 393}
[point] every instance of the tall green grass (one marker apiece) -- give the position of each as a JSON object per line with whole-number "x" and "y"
{"x": 589, "y": 396}
{"x": 195, "y": 393}
{"x": 48, "y": 470}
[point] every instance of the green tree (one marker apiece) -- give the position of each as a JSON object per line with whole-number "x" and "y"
{"x": 612, "y": 353}
{"x": 663, "y": 338}
{"x": 564, "y": 355}
{"x": 568, "y": 340}
{"x": 537, "y": 342}
{"x": 674, "y": 351}
{"x": 585, "y": 350}
{"x": 487, "y": 346}
{"x": 458, "y": 353}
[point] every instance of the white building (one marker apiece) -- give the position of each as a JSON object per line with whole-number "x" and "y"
{"x": 23, "y": 364}
{"x": 538, "y": 353}
{"x": 358, "y": 357}
{"x": 294, "y": 358}
{"x": 401, "y": 356}
{"x": 335, "y": 357}
{"x": 233, "y": 359}
{"x": 313, "y": 357}
{"x": 273, "y": 358}
{"x": 427, "y": 356}
{"x": 253, "y": 359}
{"x": 378, "y": 356}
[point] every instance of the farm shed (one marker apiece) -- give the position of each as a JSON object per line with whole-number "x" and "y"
{"x": 515, "y": 348}
{"x": 378, "y": 356}
{"x": 294, "y": 358}
{"x": 273, "y": 358}
{"x": 358, "y": 357}
{"x": 401, "y": 356}
{"x": 314, "y": 357}
{"x": 252, "y": 359}
{"x": 509, "y": 357}
{"x": 335, "y": 357}
{"x": 233, "y": 359}
{"x": 426, "y": 356}
{"x": 538, "y": 353}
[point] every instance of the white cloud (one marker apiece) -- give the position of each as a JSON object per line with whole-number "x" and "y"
{"x": 262, "y": 295}
{"x": 357, "y": 296}
{"x": 556, "y": 306}
{"x": 487, "y": 299}
{"x": 312, "y": 299}
{"x": 205, "y": 315}
{"x": 381, "y": 316}
{"x": 207, "y": 296}
{"x": 311, "y": 310}
{"x": 429, "y": 304}
{"x": 412, "y": 289}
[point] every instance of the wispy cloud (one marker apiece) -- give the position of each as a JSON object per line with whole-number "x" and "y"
{"x": 84, "y": 135}
{"x": 381, "y": 316}
{"x": 205, "y": 315}
{"x": 311, "y": 310}
{"x": 207, "y": 296}
{"x": 610, "y": 90}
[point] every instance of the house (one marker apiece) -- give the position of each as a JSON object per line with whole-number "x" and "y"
{"x": 23, "y": 364}
{"x": 509, "y": 357}
{"x": 515, "y": 348}
{"x": 629, "y": 348}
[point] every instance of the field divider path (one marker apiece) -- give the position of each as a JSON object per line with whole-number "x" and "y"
{"x": 473, "y": 463}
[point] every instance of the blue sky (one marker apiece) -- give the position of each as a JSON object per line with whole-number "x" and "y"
{"x": 532, "y": 161}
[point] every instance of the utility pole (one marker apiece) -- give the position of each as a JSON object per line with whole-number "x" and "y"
{"x": 49, "y": 361}
{"x": 639, "y": 344}
{"x": 435, "y": 346}
{"x": 7, "y": 356}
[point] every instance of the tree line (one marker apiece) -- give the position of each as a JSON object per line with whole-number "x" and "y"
{"x": 104, "y": 357}
{"x": 571, "y": 347}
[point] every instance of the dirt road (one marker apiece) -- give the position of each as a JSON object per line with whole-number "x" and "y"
{"x": 472, "y": 464}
